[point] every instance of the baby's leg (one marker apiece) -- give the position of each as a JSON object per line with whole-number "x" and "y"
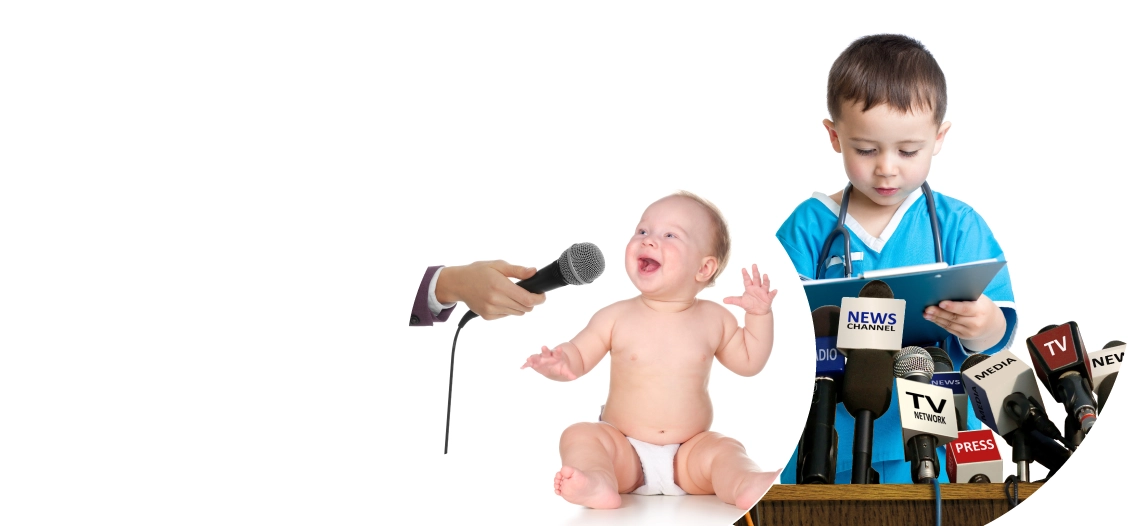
{"x": 598, "y": 464}
{"x": 713, "y": 463}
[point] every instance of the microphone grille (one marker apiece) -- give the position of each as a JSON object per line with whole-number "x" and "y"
{"x": 914, "y": 360}
{"x": 974, "y": 359}
{"x": 876, "y": 289}
{"x": 581, "y": 263}
{"x": 940, "y": 357}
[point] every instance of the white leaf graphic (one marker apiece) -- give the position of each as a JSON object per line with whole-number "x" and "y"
{"x": 102, "y": 267}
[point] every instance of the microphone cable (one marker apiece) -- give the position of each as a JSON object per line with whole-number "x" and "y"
{"x": 1011, "y": 480}
{"x": 450, "y": 378}
{"x": 937, "y": 503}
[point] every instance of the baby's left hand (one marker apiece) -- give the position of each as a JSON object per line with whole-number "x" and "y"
{"x": 756, "y": 299}
{"x": 968, "y": 320}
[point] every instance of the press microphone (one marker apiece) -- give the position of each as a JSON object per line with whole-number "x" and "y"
{"x": 580, "y": 264}
{"x": 974, "y": 457}
{"x": 1105, "y": 365}
{"x": 815, "y": 462}
{"x": 946, "y": 376}
{"x": 926, "y": 416}
{"x": 1062, "y": 364}
{"x": 870, "y": 332}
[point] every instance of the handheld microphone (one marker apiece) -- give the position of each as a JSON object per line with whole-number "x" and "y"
{"x": 580, "y": 264}
{"x": 974, "y": 457}
{"x": 1105, "y": 365}
{"x": 870, "y": 332}
{"x": 1062, "y": 364}
{"x": 815, "y": 462}
{"x": 926, "y": 423}
{"x": 946, "y": 376}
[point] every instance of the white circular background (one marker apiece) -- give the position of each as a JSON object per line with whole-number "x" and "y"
{"x": 740, "y": 124}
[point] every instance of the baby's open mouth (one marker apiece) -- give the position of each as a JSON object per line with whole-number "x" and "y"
{"x": 647, "y": 264}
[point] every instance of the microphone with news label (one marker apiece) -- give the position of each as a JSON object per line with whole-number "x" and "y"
{"x": 974, "y": 457}
{"x": 870, "y": 333}
{"x": 926, "y": 420}
{"x": 1105, "y": 365}
{"x": 946, "y": 376}
{"x": 816, "y": 460}
{"x": 1062, "y": 364}
{"x": 580, "y": 264}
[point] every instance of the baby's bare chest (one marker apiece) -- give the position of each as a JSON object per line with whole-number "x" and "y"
{"x": 645, "y": 342}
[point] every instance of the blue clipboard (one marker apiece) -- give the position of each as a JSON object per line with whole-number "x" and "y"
{"x": 919, "y": 286}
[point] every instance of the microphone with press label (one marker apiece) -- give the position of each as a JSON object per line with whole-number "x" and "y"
{"x": 1062, "y": 364}
{"x": 946, "y": 376}
{"x": 870, "y": 333}
{"x": 974, "y": 457}
{"x": 816, "y": 459}
{"x": 1105, "y": 365}
{"x": 926, "y": 413}
{"x": 580, "y": 264}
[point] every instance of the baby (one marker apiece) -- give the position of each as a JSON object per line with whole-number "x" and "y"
{"x": 653, "y": 437}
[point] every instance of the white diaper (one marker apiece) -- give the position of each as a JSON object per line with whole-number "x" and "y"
{"x": 657, "y": 466}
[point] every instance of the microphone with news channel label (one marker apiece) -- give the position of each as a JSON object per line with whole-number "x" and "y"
{"x": 580, "y": 264}
{"x": 926, "y": 413}
{"x": 869, "y": 334}
{"x": 816, "y": 459}
{"x": 974, "y": 457}
{"x": 1105, "y": 365}
{"x": 1063, "y": 365}
{"x": 946, "y": 376}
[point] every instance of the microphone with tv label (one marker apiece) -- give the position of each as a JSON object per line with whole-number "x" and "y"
{"x": 816, "y": 459}
{"x": 946, "y": 376}
{"x": 580, "y": 264}
{"x": 870, "y": 333}
{"x": 1105, "y": 365}
{"x": 1063, "y": 365}
{"x": 974, "y": 457}
{"x": 926, "y": 413}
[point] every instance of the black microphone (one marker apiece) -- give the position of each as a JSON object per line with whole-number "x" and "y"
{"x": 946, "y": 376}
{"x": 1062, "y": 364}
{"x": 870, "y": 332}
{"x": 927, "y": 424}
{"x": 815, "y": 462}
{"x": 580, "y": 264}
{"x": 1105, "y": 364}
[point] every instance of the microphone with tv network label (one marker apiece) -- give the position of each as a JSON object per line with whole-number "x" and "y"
{"x": 974, "y": 457}
{"x": 1105, "y": 365}
{"x": 869, "y": 334}
{"x": 946, "y": 376}
{"x": 1063, "y": 365}
{"x": 926, "y": 413}
{"x": 580, "y": 264}
{"x": 816, "y": 459}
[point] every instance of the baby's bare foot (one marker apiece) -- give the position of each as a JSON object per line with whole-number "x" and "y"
{"x": 754, "y": 485}
{"x": 591, "y": 489}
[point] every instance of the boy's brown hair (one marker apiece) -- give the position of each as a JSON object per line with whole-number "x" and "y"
{"x": 721, "y": 241}
{"x": 892, "y": 69}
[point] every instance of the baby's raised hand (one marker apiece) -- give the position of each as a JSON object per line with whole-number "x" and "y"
{"x": 551, "y": 364}
{"x": 757, "y": 299}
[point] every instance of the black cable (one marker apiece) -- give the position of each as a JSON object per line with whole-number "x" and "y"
{"x": 450, "y": 377}
{"x": 1012, "y": 479}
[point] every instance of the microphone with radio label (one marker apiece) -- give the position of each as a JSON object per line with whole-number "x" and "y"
{"x": 926, "y": 413}
{"x": 815, "y": 462}
{"x": 870, "y": 332}
{"x": 580, "y": 264}
{"x": 1105, "y": 364}
{"x": 974, "y": 457}
{"x": 1063, "y": 365}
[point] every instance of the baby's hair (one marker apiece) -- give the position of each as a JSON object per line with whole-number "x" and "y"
{"x": 894, "y": 69}
{"x": 721, "y": 241}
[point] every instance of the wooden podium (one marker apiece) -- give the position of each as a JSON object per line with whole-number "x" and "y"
{"x": 882, "y": 504}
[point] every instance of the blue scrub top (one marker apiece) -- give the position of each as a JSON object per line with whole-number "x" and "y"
{"x": 906, "y": 240}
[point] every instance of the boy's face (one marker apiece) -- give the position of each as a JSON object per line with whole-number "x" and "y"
{"x": 668, "y": 256}
{"x": 886, "y": 153}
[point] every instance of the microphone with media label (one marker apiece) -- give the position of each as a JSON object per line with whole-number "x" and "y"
{"x": 1062, "y": 364}
{"x": 1105, "y": 364}
{"x": 815, "y": 462}
{"x": 926, "y": 413}
{"x": 946, "y": 376}
{"x": 974, "y": 457}
{"x": 870, "y": 333}
{"x": 580, "y": 264}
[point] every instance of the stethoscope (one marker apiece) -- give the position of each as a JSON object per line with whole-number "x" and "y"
{"x": 841, "y": 229}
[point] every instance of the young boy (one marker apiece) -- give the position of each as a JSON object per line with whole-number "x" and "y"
{"x": 654, "y": 436}
{"x": 887, "y": 98}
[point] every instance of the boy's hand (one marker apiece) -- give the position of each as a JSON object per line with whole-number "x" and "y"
{"x": 756, "y": 299}
{"x": 551, "y": 364}
{"x": 980, "y": 324}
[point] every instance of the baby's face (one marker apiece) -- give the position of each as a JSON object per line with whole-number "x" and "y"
{"x": 670, "y": 249}
{"x": 886, "y": 153}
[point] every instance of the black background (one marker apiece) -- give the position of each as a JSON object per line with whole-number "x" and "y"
{"x": 586, "y": 66}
